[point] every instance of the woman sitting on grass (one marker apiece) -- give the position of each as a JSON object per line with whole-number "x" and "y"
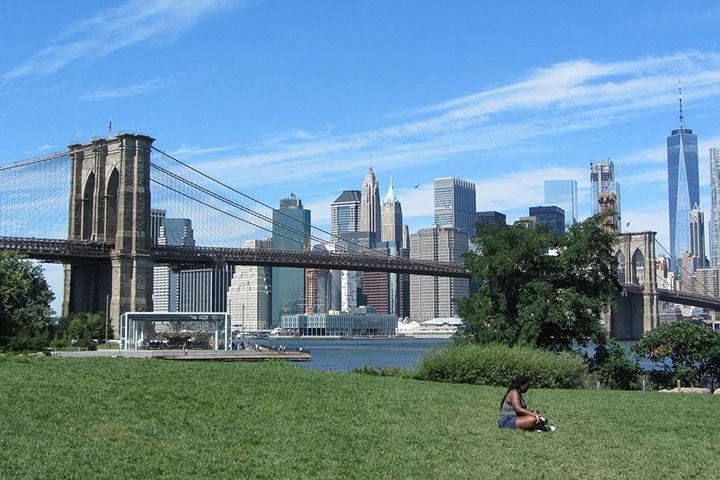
{"x": 514, "y": 413}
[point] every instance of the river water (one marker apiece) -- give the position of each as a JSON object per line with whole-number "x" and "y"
{"x": 343, "y": 355}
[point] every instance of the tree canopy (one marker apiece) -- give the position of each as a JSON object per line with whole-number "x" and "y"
{"x": 25, "y": 314}
{"x": 540, "y": 288}
{"x": 687, "y": 352}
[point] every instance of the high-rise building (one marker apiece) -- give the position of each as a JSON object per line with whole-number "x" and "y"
{"x": 318, "y": 287}
{"x": 605, "y": 193}
{"x": 157, "y": 217}
{"x": 392, "y": 221}
{"x": 551, "y": 215}
{"x": 683, "y": 186}
{"x": 166, "y": 286}
{"x": 491, "y": 218}
{"x": 455, "y": 204}
{"x": 696, "y": 225}
{"x": 291, "y": 231}
{"x": 370, "y": 206}
{"x": 345, "y": 213}
{"x": 436, "y": 297}
{"x": 715, "y": 207}
{"x": 249, "y": 294}
{"x": 563, "y": 193}
{"x": 204, "y": 289}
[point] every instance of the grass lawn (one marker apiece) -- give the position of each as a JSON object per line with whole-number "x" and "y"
{"x": 128, "y": 418}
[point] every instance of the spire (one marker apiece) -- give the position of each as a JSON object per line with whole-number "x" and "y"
{"x": 680, "y": 98}
{"x": 391, "y": 197}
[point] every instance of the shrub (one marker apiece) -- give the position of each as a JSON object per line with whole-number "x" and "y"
{"x": 686, "y": 352}
{"x": 494, "y": 364}
{"x": 384, "y": 372}
{"x": 613, "y": 367}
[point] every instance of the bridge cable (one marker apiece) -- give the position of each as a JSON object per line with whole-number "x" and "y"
{"x": 705, "y": 287}
{"x": 375, "y": 252}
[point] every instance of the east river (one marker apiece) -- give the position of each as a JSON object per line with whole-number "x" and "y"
{"x": 343, "y": 355}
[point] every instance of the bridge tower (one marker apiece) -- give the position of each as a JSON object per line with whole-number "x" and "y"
{"x": 110, "y": 202}
{"x": 636, "y": 310}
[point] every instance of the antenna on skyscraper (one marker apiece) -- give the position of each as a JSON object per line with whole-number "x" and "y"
{"x": 680, "y": 98}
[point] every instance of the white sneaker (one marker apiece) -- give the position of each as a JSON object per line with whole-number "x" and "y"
{"x": 549, "y": 428}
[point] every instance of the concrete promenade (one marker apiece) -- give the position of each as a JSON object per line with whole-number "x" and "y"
{"x": 196, "y": 355}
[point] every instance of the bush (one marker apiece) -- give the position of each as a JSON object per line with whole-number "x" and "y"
{"x": 494, "y": 364}
{"x": 613, "y": 367}
{"x": 384, "y": 372}
{"x": 686, "y": 352}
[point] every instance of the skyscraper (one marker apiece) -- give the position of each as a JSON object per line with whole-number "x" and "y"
{"x": 249, "y": 294}
{"x": 291, "y": 231}
{"x": 204, "y": 289}
{"x": 455, "y": 204}
{"x": 370, "y": 206}
{"x": 696, "y": 225}
{"x": 491, "y": 218}
{"x": 563, "y": 194}
{"x": 392, "y": 221}
{"x": 345, "y": 213}
{"x": 552, "y": 215}
{"x": 683, "y": 186}
{"x": 436, "y": 297}
{"x": 166, "y": 286}
{"x": 605, "y": 193}
{"x": 715, "y": 207}
{"x": 318, "y": 286}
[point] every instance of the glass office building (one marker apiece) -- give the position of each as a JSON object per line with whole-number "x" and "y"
{"x": 563, "y": 194}
{"x": 715, "y": 207}
{"x": 455, "y": 204}
{"x": 683, "y": 188}
{"x": 291, "y": 231}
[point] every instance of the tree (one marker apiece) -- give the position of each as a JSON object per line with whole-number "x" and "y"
{"x": 613, "y": 367}
{"x": 540, "y": 288}
{"x": 83, "y": 328}
{"x": 25, "y": 314}
{"x": 687, "y": 352}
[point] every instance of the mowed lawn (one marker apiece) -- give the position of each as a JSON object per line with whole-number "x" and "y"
{"x": 128, "y": 418}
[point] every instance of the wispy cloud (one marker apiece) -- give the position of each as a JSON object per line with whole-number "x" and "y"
{"x": 118, "y": 27}
{"x": 122, "y": 92}
{"x": 40, "y": 149}
{"x": 503, "y": 122}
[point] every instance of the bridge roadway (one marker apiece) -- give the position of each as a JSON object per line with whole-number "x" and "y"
{"x": 81, "y": 251}
{"x": 673, "y": 296}
{"x": 78, "y": 251}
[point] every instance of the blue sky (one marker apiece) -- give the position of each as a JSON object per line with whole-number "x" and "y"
{"x": 300, "y": 96}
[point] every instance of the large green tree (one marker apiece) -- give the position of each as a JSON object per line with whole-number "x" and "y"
{"x": 540, "y": 288}
{"x": 686, "y": 351}
{"x": 25, "y": 314}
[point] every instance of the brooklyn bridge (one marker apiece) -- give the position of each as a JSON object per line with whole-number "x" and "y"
{"x": 89, "y": 208}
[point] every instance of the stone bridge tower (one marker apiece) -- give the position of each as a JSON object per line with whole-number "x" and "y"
{"x": 636, "y": 311}
{"x": 110, "y": 202}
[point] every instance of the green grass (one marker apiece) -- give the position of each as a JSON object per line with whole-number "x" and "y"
{"x": 125, "y": 418}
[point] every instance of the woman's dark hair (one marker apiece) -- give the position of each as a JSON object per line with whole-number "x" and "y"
{"x": 517, "y": 382}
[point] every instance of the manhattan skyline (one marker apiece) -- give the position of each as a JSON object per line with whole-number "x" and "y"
{"x": 302, "y": 96}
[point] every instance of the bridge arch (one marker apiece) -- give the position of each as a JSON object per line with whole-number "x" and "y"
{"x": 620, "y": 257}
{"x": 88, "y": 205}
{"x": 638, "y": 267}
{"x": 111, "y": 193}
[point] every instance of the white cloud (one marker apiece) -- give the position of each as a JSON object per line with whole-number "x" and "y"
{"x": 122, "y": 92}
{"x": 552, "y": 102}
{"x": 118, "y": 27}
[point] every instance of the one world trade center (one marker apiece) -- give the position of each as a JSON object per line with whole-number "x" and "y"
{"x": 683, "y": 187}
